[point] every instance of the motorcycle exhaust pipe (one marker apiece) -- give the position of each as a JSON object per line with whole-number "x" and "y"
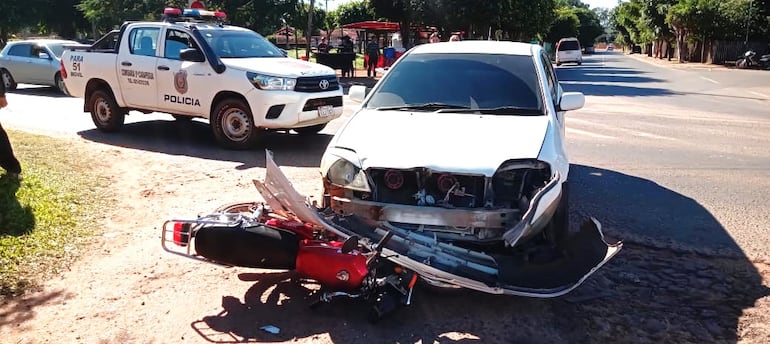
{"x": 252, "y": 247}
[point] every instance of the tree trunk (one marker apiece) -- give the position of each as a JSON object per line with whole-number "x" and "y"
{"x": 679, "y": 45}
{"x": 309, "y": 31}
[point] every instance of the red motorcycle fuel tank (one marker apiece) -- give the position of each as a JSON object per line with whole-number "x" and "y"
{"x": 325, "y": 263}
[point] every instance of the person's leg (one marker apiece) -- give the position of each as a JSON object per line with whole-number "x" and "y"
{"x": 7, "y": 160}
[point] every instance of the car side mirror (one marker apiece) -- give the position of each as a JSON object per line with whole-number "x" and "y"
{"x": 357, "y": 93}
{"x": 192, "y": 55}
{"x": 571, "y": 101}
{"x": 44, "y": 56}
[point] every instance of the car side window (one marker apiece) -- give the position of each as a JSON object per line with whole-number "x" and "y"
{"x": 143, "y": 40}
{"x": 550, "y": 76}
{"x": 20, "y": 50}
{"x": 176, "y": 41}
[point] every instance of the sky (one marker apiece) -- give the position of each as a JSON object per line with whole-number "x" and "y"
{"x": 593, "y": 3}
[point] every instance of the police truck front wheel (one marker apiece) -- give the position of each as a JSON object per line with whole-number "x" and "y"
{"x": 233, "y": 125}
{"x": 105, "y": 112}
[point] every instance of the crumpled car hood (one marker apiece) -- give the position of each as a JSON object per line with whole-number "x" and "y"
{"x": 459, "y": 143}
{"x": 441, "y": 263}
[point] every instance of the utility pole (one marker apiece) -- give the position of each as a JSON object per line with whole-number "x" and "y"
{"x": 309, "y": 32}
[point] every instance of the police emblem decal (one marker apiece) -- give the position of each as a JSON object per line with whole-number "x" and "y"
{"x": 180, "y": 81}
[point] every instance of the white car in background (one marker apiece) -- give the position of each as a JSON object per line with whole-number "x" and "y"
{"x": 568, "y": 50}
{"x": 33, "y": 62}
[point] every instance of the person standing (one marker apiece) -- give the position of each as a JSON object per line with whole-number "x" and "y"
{"x": 7, "y": 160}
{"x": 372, "y": 56}
{"x": 434, "y": 38}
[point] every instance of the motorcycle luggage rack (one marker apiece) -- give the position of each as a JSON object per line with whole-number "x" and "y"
{"x": 179, "y": 239}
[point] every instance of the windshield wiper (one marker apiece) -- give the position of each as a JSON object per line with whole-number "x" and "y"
{"x": 502, "y": 110}
{"x": 424, "y": 106}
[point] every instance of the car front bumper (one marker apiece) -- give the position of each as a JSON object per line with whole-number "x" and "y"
{"x": 291, "y": 109}
{"x": 445, "y": 264}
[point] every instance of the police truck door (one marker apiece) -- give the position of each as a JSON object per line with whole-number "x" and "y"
{"x": 136, "y": 67}
{"x": 182, "y": 85}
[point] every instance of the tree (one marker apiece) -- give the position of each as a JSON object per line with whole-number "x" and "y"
{"x": 590, "y": 27}
{"x": 624, "y": 19}
{"x": 566, "y": 24}
{"x": 353, "y": 12}
{"x": 395, "y": 10}
{"x": 17, "y": 14}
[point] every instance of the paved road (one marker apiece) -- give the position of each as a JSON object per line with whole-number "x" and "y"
{"x": 672, "y": 156}
{"x": 678, "y": 155}
{"x": 661, "y": 156}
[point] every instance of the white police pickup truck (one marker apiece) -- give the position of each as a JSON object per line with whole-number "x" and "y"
{"x": 191, "y": 65}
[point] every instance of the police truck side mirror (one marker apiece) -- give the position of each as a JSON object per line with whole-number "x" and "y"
{"x": 192, "y": 55}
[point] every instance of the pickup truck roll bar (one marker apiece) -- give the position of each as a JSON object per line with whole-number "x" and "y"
{"x": 214, "y": 60}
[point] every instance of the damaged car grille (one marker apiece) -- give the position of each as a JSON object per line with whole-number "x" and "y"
{"x": 425, "y": 188}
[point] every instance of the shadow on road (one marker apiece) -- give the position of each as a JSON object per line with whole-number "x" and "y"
{"x": 18, "y": 311}
{"x": 681, "y": 276}
{"x": 279, "y": 299}
{"x": 44, "y": 91}
{"x": 646, "y": 294}
{"x": 194, "y": 139}
{"x": 609, "y": 81}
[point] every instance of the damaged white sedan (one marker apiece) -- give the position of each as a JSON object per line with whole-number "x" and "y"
{"x": 453, "y": 171}
{"x": 461, "y": 147}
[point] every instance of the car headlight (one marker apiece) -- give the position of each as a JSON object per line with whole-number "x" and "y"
{"x": 269, "y": 82}
{"x": 345, "y": 174}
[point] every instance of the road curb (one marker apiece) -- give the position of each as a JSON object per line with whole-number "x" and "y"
{"x": 674, "y": 64}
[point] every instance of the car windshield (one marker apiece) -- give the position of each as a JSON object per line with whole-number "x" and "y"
{"x": 569, "y": 45}
{"x": 57, "y": 49}
{"x": 240, "y": 44}
{"x": 447, "y": 82}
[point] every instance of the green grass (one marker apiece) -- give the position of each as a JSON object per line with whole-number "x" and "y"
{"x": 46, "y": 219}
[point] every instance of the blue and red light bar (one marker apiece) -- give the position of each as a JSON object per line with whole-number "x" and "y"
{"x": 194, "y": 13}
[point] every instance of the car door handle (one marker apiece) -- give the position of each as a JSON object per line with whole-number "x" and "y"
{"x": 163, "y": 68}
{"x": 125, "y": 63}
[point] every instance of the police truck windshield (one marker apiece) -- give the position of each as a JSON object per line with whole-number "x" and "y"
{"x": 240, "y": 44}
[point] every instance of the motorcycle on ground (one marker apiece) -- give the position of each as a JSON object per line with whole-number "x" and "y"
{"x": 377, "y": 263}
{"x": 750, "y": 60}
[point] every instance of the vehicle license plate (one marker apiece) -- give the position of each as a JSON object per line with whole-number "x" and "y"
{"x": 325, "y": 111}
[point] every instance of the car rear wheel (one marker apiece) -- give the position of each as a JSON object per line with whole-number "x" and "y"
{"x": 105, "y": 112}
{"x": 310, "y": 130}
{"x": 233, "y": 124}
{"x": 7, "y": 79}
{"x": 60, "y": 84}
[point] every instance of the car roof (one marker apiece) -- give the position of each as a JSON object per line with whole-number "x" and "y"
{"x": 43, "y": 41}
{"x": 477, "y": 47}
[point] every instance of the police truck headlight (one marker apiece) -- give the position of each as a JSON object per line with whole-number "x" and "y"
{"x": 271, "y": 83}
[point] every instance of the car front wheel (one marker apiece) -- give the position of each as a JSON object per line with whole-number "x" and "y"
{"x": 232, "y": 124}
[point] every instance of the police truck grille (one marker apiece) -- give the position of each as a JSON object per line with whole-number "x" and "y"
{"x": 316, "y": 83}
{"x": 314, "y": 104}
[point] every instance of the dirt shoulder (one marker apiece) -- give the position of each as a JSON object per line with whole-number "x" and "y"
{"x": 126, "y": 289}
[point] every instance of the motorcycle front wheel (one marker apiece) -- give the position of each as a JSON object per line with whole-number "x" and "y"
{"x": 742, "y": 64}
